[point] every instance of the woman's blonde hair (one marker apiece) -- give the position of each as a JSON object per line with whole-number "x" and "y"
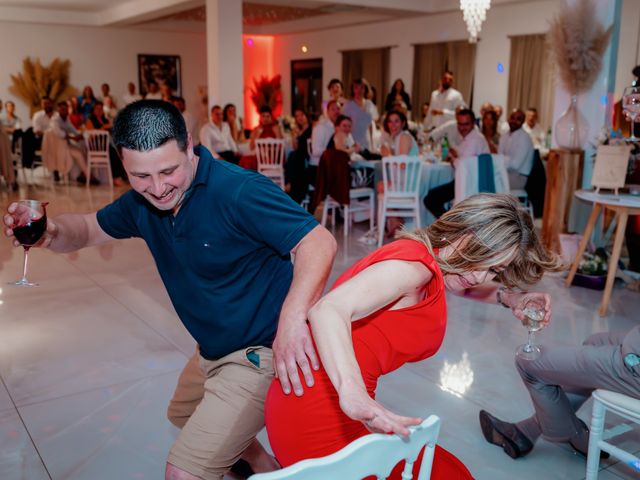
{"x": 493, "y": 229}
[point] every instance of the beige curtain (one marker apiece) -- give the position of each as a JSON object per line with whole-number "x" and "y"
{"x": 431, "y": 60}
{"x": 530, "y": 78}
{"x": 372, "y": 64}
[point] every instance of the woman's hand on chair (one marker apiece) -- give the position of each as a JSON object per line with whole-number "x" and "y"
{"x": 356, "y": 403}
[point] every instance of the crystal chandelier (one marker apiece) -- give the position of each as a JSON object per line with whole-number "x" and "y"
{"x": 474, "y": 13}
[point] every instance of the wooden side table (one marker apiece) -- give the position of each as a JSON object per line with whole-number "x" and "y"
{"x": 564, "y": 177}
{"x": 622, "y": 206}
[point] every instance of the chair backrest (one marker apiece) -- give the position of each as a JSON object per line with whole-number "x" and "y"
{"x": 375, "y": 454}
{"x": 97, "y": 142}
{"x": 270, "y": 153}
{"x": 468, "y": 176}
{"x": 401, "y": 175}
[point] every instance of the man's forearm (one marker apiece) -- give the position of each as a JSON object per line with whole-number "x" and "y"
{"x": 71, "y": 233}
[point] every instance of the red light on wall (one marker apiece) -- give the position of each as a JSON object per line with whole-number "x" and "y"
{"x": 258, "y": 62}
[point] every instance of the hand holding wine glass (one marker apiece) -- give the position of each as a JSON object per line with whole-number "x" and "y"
{"x": 532, "y": 313}
{"x": 631, "y": 107}
{"x": 27, "y": 223}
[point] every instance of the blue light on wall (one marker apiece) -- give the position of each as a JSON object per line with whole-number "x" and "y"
{"x": 500, "y": 67}
{"x": 604, "y": 100}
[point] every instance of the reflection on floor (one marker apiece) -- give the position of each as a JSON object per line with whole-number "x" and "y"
{"x": 89, "y": 359}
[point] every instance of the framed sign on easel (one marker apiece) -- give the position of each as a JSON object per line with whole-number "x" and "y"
{"x": 610, "y": 167}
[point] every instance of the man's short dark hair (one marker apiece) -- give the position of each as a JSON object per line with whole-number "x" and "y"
{"x": 467, "y": 111}
{"x": 148, "y": 124}
{"x": 333, "y": 81}
{"x": 341, "y": 118}
{"x": 266, "y": 109}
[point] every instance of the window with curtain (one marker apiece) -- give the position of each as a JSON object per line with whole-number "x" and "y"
{"x": 429, "y": 63}
{"x": 530, "y": 79}
{"x": 372, "y": 64}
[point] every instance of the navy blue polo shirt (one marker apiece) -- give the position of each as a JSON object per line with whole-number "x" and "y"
{"x": 224, "y": 258}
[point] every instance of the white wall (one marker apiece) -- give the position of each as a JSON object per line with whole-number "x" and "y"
{"x": 490, "y": 85}
{"x": 100, "y": 55}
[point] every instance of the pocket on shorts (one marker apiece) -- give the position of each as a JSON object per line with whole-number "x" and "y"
{"x": 260, "y": 358}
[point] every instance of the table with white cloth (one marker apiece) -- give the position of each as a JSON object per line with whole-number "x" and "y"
{"x": 432, "y": 175}
{"x": 623, "y": 205}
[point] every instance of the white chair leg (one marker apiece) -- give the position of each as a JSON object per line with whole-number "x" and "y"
{"x": 346, "y": 220}
{"x": 325, "y": 209}
{"x": 381, "y": 221}
{"x": 595, "y": 435}
{"x": 371, "y": 212}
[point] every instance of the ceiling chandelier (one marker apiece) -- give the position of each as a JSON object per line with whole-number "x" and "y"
{"x": 474, "y": 13}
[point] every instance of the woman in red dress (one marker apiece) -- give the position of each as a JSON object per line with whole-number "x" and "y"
{"x": 389, "y": 309}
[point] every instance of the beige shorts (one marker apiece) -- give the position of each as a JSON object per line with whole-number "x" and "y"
{"x": 219, "y": 404}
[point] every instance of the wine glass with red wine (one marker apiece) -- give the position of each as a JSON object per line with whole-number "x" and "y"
{"x": 30, "y": 223}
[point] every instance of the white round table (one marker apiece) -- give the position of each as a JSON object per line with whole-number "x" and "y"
{"x": 623, "y": 205}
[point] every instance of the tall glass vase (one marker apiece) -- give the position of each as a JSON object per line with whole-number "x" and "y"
{"x": 571, "y": 129}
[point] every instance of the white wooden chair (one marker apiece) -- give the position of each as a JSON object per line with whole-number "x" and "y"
{"x": 523, "y": 198}
{"x": 621, "y": 405}
{"x": 98, "y": 153}
{"x": 375, "y": 454}
{"x": 360, "y": 200}
{"x": 467, "y": 175}
{"x": 270, "y": 155}
{"x": 401, "y": 179}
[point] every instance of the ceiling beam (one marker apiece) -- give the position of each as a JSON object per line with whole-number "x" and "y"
{"x": 416, "y": 6}
{"x": 143, "y": 10}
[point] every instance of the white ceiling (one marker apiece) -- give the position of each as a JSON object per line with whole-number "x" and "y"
{"x": 157, "y": 13}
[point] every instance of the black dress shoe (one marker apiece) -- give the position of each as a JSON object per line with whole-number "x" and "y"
{"x": 242, "y": 469}
{"x": 505, "y": 435}
{"x": 583, "y": 454}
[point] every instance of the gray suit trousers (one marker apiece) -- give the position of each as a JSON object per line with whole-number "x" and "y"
{"x": 563, "y": 377}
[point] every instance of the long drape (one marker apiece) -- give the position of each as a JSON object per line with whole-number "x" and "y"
{"x": 432, "y": 59}
{"x": 530, "y": 77}
{"x": 372, "y": 64}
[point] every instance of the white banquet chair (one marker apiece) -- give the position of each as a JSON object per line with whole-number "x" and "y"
{"x": 98, "y": 153}
{"x": 270, "y": 156}
{"x": 467, "y": 174}
{"x": 401, "y": 179}
{"x": 375, "y": 454}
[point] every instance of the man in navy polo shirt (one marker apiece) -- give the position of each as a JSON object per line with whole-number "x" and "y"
{"x": 223, "y": 239}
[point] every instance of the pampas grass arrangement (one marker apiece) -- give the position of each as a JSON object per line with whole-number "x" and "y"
{"x": 268, "y": 92}
{"x": 578, "y": 41}
{"x": 37, "y": 81}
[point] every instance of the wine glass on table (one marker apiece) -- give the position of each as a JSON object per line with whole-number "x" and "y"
{"x": 534, "y": 315}
{"x": 631, "y": 107}
{"x": 30, "y": 223}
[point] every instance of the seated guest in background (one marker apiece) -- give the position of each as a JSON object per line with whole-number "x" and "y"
{"x": 363, "y": 331}
{"x": 397, "y": 93}
{"x": 10, "y": 121}
{"x": 360, "y": 114}
{"x": 110, "y": 110}
{"x": 166, "y": 93}
{"x": 342, "y": 138}
{"x": 267, "y": 128}
{"x": 424, "y": 114}
{"x": 336, "y": 94}
{"x": 518, "y": 147}
{"x": 485, "y": 107}
{"x": 503, "y": 125}
{"x": 75, "y": 116}
{"x": 535, "y": 130}
{"x": 448, "y": 129}
{"x": 153, "y": 92}
{"x": 321, "y": 135}
{"x": 106, "y": 93}
{"x": 295, "y": 171}
{"x": 32, "y": 137}
{"x": 473, "y": 144}
{"x": 62, "y": 128}
{"x": 86, "y": 101}
{"x": 444, "y": 101}
{"x": 230, "y": 117}
{"x": 99, "y": 121}
{"x": 489, "y": 127}
{"x": 559, "y": 382}
{"x": 216, "y": 137}
{"x": 189, "y": 119}
{"x": 131, "y": 95}
{"x": 401, "y": 142}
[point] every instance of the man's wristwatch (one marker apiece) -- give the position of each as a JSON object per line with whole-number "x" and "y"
{"x": 499, "y": 293}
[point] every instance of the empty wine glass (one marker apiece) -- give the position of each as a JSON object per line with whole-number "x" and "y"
{"x": 631, "y": 107}
{"x": 30, "y": 223}
{"x": 534, "y": 315}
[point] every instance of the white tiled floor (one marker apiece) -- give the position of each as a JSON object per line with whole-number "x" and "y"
{"x": 89, "y": 359}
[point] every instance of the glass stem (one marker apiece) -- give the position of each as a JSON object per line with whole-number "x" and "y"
{"x": 633, "y": 127}
{"x": 529, "y": 346}
{"x": 24, "y": 265}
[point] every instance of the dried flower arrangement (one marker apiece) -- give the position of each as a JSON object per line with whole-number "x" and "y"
{"x": 268, "y": 92}
{"x": 37, "y": 81}
{"x": 578, "y": 41}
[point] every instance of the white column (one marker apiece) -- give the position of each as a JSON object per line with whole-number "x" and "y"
{"x": 224, "y": 53}
{"x": 596, "y": 104}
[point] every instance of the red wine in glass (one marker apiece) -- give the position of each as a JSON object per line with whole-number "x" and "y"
{"x": 30, "y": 218}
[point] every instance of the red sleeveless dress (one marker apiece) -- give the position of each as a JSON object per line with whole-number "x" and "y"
{"x": 313, "y": 425}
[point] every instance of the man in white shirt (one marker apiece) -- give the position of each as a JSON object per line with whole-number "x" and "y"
{"x": 131, "y": 95}
{"x": 62, "y": 128}
{"x": 154, "y": 92}
{"x": 535, "y": 130}
{"x": 216, "y": 137}
{"x": 444, "y": 102}
{"x": 517, "y": 146}
{"x": 503, "y": 125}
{"x": 320, "y": 136}
{"x": 473, "y": 143}
{"x": 42, "y": 118}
